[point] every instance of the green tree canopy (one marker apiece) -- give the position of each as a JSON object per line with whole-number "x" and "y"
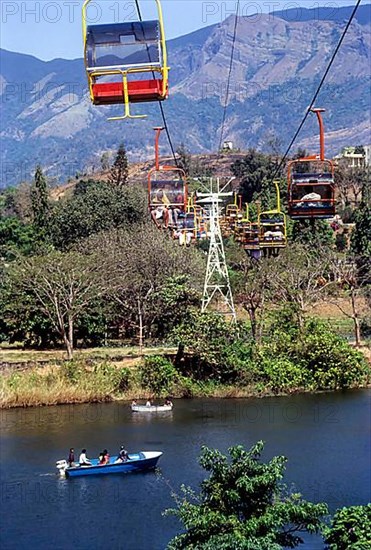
{"x": 252, "y": 171}
{"x": 95, "y": 207}
{"x": 40, "y": 202}
{"x": 313, "y": 233}
{"x": 242, "y": 505}
{"x": 120, "y": 171}
{"x": 350, "y": 529}
{"x": 361, "y": 238}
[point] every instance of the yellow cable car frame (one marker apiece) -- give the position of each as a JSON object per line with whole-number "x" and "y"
{"x": 280, "y": 221}
{"x": 157, "y": 91}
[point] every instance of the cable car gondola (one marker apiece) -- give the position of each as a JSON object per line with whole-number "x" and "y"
{"x": 311, "y": 187}
{"x": 126, "y": 62}
{"x": 247, "y": 234}
{"x": 272, "y": 228}
{"x": 232, "y": 215}
{"x": 167, "y": 191}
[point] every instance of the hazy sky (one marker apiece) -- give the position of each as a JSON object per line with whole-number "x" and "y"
{"x": 49, "y": 29}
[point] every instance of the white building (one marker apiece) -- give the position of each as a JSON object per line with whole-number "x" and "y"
{"x": 367, "y": 149}
{"x": 349, "y": 158}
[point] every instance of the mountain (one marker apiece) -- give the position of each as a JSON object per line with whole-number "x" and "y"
{"x": 279, "y": 59}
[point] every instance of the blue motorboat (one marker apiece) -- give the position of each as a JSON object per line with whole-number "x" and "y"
{"x": 144, "y": 460}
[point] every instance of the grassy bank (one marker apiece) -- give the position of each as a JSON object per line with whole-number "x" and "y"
{"x": 118, "y": 354}
{"x": 82, "y": 381}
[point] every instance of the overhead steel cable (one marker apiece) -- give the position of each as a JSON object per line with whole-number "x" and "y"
{"x": 318, "y": 89}
{"x": 229, "y": 77}
{"x": 166, "y": 128}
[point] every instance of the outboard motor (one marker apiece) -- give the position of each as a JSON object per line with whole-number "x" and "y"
{"x": 61, "y": 466}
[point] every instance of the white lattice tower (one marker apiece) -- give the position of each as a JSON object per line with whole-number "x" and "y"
{"x": 217, "y": 284}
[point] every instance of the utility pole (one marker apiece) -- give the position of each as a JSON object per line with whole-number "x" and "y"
{"x": 217, "y": 282}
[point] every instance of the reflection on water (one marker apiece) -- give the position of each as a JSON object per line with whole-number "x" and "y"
{"x": 143, "y": 417}
{"x": 325, "y": 437}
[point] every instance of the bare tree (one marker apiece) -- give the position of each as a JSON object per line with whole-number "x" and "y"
{"x": 302, "y": 278}
{"x": 350, "y": 184}
{"x": 63, "y": 286}
{"x": 353, "y": 284}
{"x": 254, "y": 292}
{"x": 139, "y": 263}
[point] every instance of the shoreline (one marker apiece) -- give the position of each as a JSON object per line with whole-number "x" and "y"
{"x": 90, "y": 379}
{"x": 223, "y": 393}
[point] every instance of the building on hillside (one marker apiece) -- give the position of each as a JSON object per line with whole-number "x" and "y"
{"x": 228, "y": 146}
{"x": 352, "y": 157}
{"x": 367, "y": 149}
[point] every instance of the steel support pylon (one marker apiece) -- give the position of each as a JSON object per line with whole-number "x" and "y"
{"x": 217, "y": 284}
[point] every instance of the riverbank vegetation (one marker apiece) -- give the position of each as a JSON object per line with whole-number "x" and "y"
{"x": 90, "y": 270}
{"x": 243, "y": 504}
{"x": 223, "y": 360}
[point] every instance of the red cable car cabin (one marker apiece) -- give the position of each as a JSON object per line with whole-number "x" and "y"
{"x": 311, "y": 189}
{"x": 126, "y": 62}
{"x": 167, "y": 190}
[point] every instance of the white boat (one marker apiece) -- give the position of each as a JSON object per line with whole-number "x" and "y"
{"x": 152, "y": 408}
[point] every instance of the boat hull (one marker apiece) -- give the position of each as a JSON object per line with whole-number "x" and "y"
{"x": 145, "y": 460}
{"x": 152, "y": 408}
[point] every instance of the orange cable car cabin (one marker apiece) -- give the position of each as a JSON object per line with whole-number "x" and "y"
{"x": 167, "y": 190}
{"x": 311, "y": 187}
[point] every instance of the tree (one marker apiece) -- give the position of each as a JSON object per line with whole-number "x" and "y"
{"x": 359, "y": 150}
{"x": 40, "y": 203}
{"x": 252, "y": 171}
{"x": 184, "y": 159}
{"x": 95, "y": 207}
{"x": 62, "y": 285}
{"x": 353, "y": 284}
{"x": 302, "y": 277}
{"x": 242, "y": 505}
{"x": 141, "y": 263}
{"x": 105, "y": 161}
{"x": 351, "y": 184}
{"x": 350, "y": 529}
{"x": 16, "y": 237}
{"x": 253, "y": 292}
{"x": 120, "y": 172}
{"x": 313, "y": 233}
{"x": 361, "y": 237}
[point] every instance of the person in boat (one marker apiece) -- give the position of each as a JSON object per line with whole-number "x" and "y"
{"x": 105, "y": 458}
{"x": 133, "y": 403}
{"x": 168, "y": 403}
{"x": 122, "y": 456}
{"x": 148, "y": 404}
{"x": 71, "y": 458}
{"x": 83, "y": 459}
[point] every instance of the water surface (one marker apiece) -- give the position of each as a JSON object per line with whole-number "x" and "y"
{"x": 326, "y": 439}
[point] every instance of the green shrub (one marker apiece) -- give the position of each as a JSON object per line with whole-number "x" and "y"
{"x": 282, "y": 374}
{"x": 14, "y": 380}
{"x": 123, "y": 379}
{"x": 329, "y": 359}
{"x": 72, "y": 371}
{"x": 157, "y": 374}
{"x": 350, "y": 529}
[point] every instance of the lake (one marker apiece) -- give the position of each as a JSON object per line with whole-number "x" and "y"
{"x": 326, "y": 438}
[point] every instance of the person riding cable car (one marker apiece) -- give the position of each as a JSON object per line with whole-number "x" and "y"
{"x": 272, "y": 227}
{"x": 167, "y": 191}
{"x": 311, "y": 188}
{"x": 126, "y": 62}
{"x": 247, "y": 235}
